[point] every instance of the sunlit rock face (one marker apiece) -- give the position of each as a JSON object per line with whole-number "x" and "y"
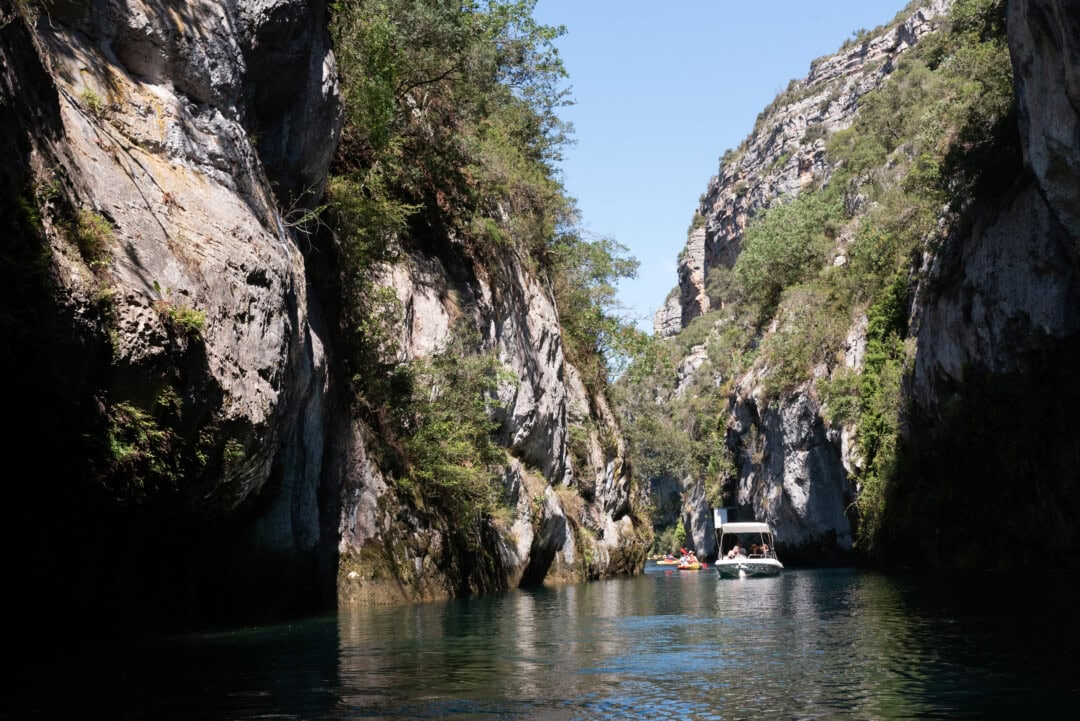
{"x": 571, "y": 513}
{"x": 158, "y": 108}
{"x": 791, "y": 473}
{"x": 793, "y": 469}
{"x": 992, "y": 320}
{"x": 192, "y": 135}
{"x": 784, "y": 154}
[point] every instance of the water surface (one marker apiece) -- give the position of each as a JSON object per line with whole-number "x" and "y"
{"x": 667, "y": 645}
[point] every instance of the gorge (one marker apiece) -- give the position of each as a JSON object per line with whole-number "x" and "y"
{"x": 870, "y": 337}
{"x": 296, "y": 315}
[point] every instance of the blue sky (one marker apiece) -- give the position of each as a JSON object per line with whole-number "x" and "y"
{"x": 661, "y": 90}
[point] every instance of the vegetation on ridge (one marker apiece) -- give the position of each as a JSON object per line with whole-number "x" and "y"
{"x": 450, "y": 147}
{"x": 937, "y": 135}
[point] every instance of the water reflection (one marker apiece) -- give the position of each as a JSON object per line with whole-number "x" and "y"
{"x": 806, "y": 644}
{"x": 822, "y": 644}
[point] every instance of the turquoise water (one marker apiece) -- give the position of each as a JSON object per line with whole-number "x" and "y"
{"x": 830, "y": 644}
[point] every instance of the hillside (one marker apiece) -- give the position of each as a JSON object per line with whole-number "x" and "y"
{"x": 867, "y": 298}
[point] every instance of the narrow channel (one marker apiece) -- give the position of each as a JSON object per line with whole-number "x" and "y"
{"x": 808, "y": 644}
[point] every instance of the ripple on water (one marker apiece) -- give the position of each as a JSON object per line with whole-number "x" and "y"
{"x": 804, "y": 645}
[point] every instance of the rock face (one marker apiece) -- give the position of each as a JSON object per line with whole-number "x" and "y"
{"x": 784, "y": 154}
{"x": 1046, "y": 65}
{"x": 792, "y": 469}
{"x": 571, "y": 516}
{"x": 1002, "y": 285}
{"x": 1008, "y": 281}
{"x": 994, "y": 338}
{"x": 177, "y": 290}
{"x": 791, "y": 473}
{"x": 997, "y": 337}
{"x": 161, "y": 152}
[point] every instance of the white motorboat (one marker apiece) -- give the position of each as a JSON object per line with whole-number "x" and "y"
{"x": 746, "y": 550}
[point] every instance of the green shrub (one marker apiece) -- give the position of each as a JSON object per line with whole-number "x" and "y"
{"x": 449, "y": 447}
{"x": 880, "y": 403}
{"x": 696, "y": 221}
{"x": 812, "y": 325}
{"x": 93, "y": 102}
{"x": 679, "y": 536}
{"x": 697, "y": 330}
{"x": 187, "y": 321}
{"x": 93, "y": 236}
{"x": 182, "y": 319}
{"x": 814, "y": 133}
{"x": 585, "y": 274}
{"x": 787, "y": 244}
{"x": 840, "y": 396}
{"x": 233, "y": 452}
{"x": 144, "y": 456}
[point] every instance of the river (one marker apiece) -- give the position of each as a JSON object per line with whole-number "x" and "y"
{"x": 820, "y": 644}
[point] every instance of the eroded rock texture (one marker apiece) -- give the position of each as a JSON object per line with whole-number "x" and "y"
{"x": 784, "y": 154}
{"x": 167, "y": 351}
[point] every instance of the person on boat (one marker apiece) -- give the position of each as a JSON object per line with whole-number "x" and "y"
{"x": 736, "y": 550}
{"x": 765, "y": 549}
{"x": 754, "y": 549}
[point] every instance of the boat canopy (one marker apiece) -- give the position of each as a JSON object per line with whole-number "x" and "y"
{"x": 745, "y": 527}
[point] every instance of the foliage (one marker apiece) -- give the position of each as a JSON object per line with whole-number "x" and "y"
{"x": 585, "y": 274}
{"x": 145, "y": 453}
{"x": 680, "y": 535}
{"x": 186, "y": 321}
{"x": 660, "y": 448}
{"x": 233, "y": 452}
{"x": 456, "y": 102}
{"x": 697, "y": 221}
{"x": 452, "y": 132}
{"x": 787, "y": 244}
{"x": 811, "y": 328}
{"x": 840, "y": 396}
{"x": 939, "y": 134}
{"x": 880, "y": 398}
{"x": 448, "y": 443}
{"x": 93, "y": 236}
{"x": 814, "y": 133}
{"x": 697, "y": 330}
{"x": 93, "y": 102}
{"x": 152, "y": 453}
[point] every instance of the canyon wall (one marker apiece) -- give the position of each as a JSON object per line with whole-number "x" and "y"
{"x": 166, "y": 349}
{"x": 983, "y": 323}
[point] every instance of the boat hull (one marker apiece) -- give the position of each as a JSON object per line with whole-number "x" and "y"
{"x": 748, "y": 567}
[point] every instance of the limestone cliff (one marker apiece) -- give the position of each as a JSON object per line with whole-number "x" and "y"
{"x": 785, "y": 153}
{"x": 159, "y": 293}
{"x": 957, "y": 374}
{"x": 993, "y": 389}
{"x": 789, "y": 467}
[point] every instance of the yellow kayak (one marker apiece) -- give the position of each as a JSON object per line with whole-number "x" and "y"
{"x": 690, "y": 566}
{"x": 665, "y": 562}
